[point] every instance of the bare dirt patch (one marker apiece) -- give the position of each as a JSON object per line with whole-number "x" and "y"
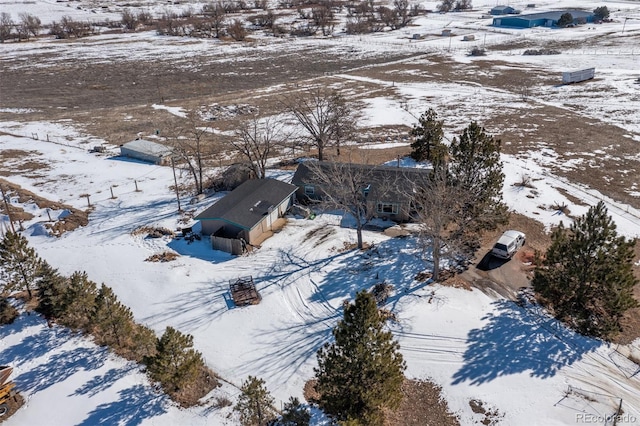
{"x": 74, "y": 219}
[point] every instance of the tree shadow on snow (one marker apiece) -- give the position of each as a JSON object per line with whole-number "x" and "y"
{"x": 517, "y": 340}
{"x": 136, "y": 404}
{"x": 34, "y": 345}
{"x": 60, "y": 367}
{"x": 394, "y": 261}
{"x": 105, "y": 381}
{"x": 283, "y": 349}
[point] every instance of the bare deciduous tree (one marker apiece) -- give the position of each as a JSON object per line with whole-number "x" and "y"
{"x": 192, "y": 144}
{"x": 236, "y": 30}
{"x": 215, "y": 14}
{"x": 325, "y": 116}
{"x": 6, "y": 24}
{"x": 348, "y": 187}
{"x": 30, "y": 23}
{"x": 438, "y": 203}
{"x": 256, "y": 139}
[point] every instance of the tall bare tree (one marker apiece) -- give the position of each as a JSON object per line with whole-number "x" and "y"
{"x": 347, "y": 186}
{"x": 193, "y": 144}
{"x": 6, "y": 24}
{"x": 325, "y": 116}
{"x": 256, "y": 139}
{"x": 438, "y": 203}
{"x": 30, "y": 24}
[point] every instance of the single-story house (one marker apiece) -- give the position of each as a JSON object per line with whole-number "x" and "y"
{"x": 387, "y": 189}
{"x": 248, "y": 211}
{"x": 504, "y": 10}
{"x": 543, "y": 19}
{"x": 144, "y": 150}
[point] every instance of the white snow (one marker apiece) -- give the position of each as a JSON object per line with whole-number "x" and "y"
{"x": 515, "y": 359}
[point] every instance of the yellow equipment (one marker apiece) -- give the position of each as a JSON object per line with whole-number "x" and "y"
{"x": 6, "y": 388}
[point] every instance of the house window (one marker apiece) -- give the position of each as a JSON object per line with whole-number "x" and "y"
{"x": 309, "y": 190}
{"x": 387, "y": 208}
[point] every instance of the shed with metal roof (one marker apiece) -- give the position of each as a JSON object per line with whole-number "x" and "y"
{"x": 144, "y": 150}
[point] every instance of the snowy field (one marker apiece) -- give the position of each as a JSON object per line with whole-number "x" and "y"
{"x": 513, "y": 358}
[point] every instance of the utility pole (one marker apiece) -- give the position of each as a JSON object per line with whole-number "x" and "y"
{"x": 6, "y": 206}
{"x": 175, "y": 182}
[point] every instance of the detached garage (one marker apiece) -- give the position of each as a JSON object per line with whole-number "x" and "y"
{"x": 148, "y": 151}
{"x": 246, "y": 213}
{"x": 544, "y": 19}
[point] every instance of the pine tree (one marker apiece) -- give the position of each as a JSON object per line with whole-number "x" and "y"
{"x": 294, "y": 414}
{"x": 8, "y": 313}
{"x": 175, "y": 363}
{"x": 51, "y": 289}
{"x": 255, "y": 403}
{"x": 428, "y": 135}
{"x": 112, "y": 321}
{"x": 587, "y": 276}
{"x": 565, "y": 19}
{"x": 19, "y": 263}
{"x": 78, "y": 302}
{"x": 601, "y": 13}
{"x": 144, "y": 343}
{"x": 362, "y": 371}
{"x": 475, "y": 167}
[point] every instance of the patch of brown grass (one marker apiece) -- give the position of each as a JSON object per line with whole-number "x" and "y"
{"x": 165, "y": 256}
{"x": 191, "y": 394}
{"x": 422, "y": 405}
{"x": 75, "y": 219}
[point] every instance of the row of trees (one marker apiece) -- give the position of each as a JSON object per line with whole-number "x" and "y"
{"x": 28, "y": 26}
{"x": 316, "y": 118}
{"x": 80, "y": 304}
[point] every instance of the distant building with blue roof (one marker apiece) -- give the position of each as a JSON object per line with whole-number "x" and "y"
{"x": 543, "y": 19}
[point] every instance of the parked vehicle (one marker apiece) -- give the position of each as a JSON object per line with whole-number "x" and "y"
{"x": 508, "y": 244}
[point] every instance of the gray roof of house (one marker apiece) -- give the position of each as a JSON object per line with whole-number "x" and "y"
{"x": 382, "y": 179}
{"x": 147, "y": 147}
{"x": 555, "y": 14}
{"x": 247, "y": 205}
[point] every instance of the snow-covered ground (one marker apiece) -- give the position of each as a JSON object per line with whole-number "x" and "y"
{"x": 515, "y": 359}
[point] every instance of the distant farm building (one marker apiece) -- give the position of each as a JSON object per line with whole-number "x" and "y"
{"x": 148, "y": 151}
{"x": 570, "y": 77}
{"x": 504, "y": 10}
{"x": 544, "y": 19}
{"x": 246, "y": 213}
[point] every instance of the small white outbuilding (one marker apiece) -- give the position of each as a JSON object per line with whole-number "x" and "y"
{"x": 144, "y": 150}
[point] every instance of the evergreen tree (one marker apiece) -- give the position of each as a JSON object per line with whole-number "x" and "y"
{"x": 586, "y": 276}
{"x": 112, "y": 321}
{"x": 601, "y": 13}
{"x": 428, "y": 134}
{"x": 19, "y": 263}
{"x": 255, "y": 403}
{"x": 144, "y": 343}
{"x": 294, "y": 414}
{"x": 565, "y": 19}
{"x": 78, "y": 302}
{"x": 8, "y": 313}
{"x": 362, "y": 371}
{"x": 476, "y": 168}
{"x": 175, "y": 363}
{"x": 51, "y": 289}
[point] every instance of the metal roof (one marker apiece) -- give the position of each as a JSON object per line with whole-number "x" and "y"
{"x": 147, "y": 147}
{"x": 249, "y": 203}
{"x": 553, "y": 15}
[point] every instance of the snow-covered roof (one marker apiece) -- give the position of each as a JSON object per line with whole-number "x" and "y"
{"x": 147, "y": 147}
